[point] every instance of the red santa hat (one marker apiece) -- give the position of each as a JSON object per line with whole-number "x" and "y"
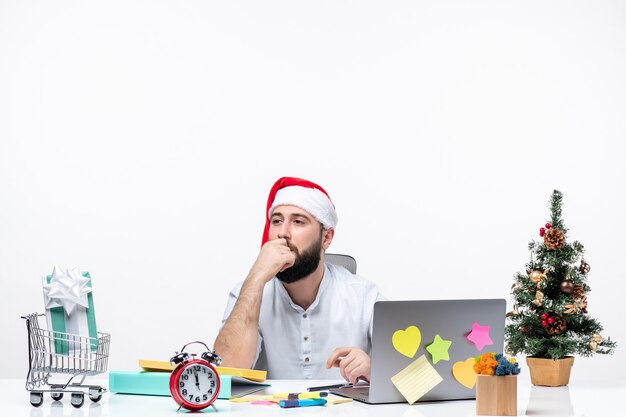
{"x": 304, "y": 194}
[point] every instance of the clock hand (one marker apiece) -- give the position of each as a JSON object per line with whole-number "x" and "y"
{"x": 197, "y": 381}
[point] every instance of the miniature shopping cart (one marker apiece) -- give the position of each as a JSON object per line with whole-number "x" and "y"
{"x": 51, "y": 352}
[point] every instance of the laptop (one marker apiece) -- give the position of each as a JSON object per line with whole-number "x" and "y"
{"x": 452, "y": 320}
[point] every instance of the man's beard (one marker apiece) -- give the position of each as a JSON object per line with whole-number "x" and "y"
{"x": 304, "y": 265}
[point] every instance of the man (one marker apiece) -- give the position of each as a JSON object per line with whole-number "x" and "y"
{"x": 294, "y": 315}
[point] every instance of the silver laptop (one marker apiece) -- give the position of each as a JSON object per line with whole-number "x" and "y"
{"x": 452, "y": 320}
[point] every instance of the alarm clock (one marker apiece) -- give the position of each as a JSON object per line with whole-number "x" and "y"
{"x": 194, "y": 382}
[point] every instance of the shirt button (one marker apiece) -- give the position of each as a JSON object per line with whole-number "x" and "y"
{"x": 306, "y": 338}
{"x": 306, "y": 359}
{"x": 304, "y": 316}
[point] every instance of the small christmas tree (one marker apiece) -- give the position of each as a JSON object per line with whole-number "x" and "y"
{"x": 549, "y": 317}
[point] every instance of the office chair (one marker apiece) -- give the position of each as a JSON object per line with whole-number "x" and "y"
{"x": 346, "y": 261}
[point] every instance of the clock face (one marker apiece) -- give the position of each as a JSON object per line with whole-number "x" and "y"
{"x": 197, "y": 384}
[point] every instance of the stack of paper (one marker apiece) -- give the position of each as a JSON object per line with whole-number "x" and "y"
{"x": 155, "y": 380}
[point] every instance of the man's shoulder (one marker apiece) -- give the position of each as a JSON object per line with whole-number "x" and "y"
{"x": 342, "y": 277}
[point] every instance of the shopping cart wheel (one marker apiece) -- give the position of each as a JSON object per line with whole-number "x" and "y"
{"x": 95, "y": 394}
{"x": 78, "y": 398}
{"x": 36, "y": 398}
{"x": 56, "y": 396}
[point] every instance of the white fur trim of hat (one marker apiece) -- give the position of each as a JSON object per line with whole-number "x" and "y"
{"x": 312, "y": 200}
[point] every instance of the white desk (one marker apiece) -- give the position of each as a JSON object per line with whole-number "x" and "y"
{"x": 576, "y": 400}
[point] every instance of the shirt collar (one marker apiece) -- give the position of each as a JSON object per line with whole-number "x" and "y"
{"x": 323, "y": 285}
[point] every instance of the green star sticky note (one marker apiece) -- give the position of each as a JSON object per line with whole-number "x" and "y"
{"x": 439, "y": 349}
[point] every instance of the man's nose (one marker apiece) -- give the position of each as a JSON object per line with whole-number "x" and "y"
{"x": 285, "y": 231}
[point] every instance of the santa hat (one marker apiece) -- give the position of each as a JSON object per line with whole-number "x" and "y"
{"x": 304, "y": 194}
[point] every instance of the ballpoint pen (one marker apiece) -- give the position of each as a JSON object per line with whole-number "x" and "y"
{"x": 327, "y": 387}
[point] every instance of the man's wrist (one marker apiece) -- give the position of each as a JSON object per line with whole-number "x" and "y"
{"x": 258, "y": 280}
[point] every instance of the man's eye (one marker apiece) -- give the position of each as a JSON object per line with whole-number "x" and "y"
{"x": 275, "y": 221}
{"x": 298, "y": 221}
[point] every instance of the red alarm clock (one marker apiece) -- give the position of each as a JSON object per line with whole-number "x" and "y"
{"x": 195, "y": 383}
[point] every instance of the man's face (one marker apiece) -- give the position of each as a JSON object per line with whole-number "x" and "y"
{"x": 304, "y": 236}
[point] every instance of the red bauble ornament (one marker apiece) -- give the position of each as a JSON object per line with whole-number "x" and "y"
{"x": 542, "y": 231}
{"x": 550, "y": 320}
{"x": 548, "y": 225}
{"x": 543, "y": 323}
{"x": 544, "y": 316}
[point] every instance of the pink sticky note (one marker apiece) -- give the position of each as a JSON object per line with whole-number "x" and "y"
{"x": 262, "y": 402}
{"x": 480, "y": 336}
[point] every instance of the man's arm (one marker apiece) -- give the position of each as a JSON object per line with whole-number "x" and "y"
{"x": 236, "y": 342}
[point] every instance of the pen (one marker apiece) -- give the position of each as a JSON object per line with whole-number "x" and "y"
{"x": 302, "y": 403}
{"x": 326, "y": 387}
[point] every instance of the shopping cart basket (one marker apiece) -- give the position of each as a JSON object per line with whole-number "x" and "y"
{"x": 51, "y": 352}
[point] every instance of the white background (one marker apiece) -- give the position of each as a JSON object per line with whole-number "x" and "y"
{"x": 139, "y": 139}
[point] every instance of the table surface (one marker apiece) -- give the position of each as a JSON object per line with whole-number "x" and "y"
{"x": 576, "y": 400}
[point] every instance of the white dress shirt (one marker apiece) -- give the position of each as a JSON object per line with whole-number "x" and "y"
{"x": 295, "y": 343}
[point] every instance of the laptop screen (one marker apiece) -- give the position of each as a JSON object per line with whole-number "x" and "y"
{"x": 448, "y": 333}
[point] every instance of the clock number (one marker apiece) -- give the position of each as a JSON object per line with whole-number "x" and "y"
{"x": 191, "y": 397}
{"x": 184, "y": 392}
{"x": 197, "y": 367}
{"x": 210, "y": 375}
{"x": 210, "y": 391}
{"x": 185, "y": 377}
{"x": 212, "y": 383}
{"x": 197, "y": 399}
{"x": 205, "y": 397}
{"x": 181, "y": 384}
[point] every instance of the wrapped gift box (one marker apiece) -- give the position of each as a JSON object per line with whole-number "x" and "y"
{"x": 70, "y": 311}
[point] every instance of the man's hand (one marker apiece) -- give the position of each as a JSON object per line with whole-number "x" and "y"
{"x": 353, "y": 363}
{"x": 275, "y": 257}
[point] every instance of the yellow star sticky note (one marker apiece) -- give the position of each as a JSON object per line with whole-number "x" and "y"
{"x": 416, "y": 379}
{"x": 439, "y": 349}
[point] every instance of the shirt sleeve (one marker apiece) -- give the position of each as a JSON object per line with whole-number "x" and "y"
{"x": 230, "y": 304}
{"x": 378, "y": 297}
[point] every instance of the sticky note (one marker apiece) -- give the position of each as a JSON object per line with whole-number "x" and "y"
{"x": 464, "y": 373}
{"x": 407, "y": 341}
{"x": 253, "y": 399}
{"x": 334, "y": 399}
{"x": 416, "y": 379}
{"x": 480, "y": 336}
{"x": 439, "y": 349}
{"x": 263, "y": 402}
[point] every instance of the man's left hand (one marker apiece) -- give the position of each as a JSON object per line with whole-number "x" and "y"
{"x": 353, "y": 363}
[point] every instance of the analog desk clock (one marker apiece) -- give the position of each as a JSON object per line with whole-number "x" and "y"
{"x": 194, "y": 382}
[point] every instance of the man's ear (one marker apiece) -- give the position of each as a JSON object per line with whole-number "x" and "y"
{"x": 327, "y": 237}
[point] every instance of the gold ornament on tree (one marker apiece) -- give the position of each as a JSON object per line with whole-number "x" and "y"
{"x": 567, "y": 285}
{"x": 584, "y": 267}
{"x": 595, "y": 339}
{"x": 538, "y": 278}
{"x": 553, "y": 238}
{"x": 538, "y": 298}
{"x": 576, "y": 306}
